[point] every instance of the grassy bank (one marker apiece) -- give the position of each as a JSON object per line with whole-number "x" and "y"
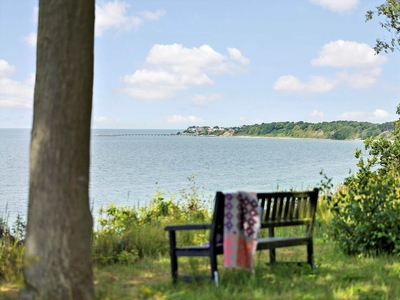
{"x": 336, "y": 277}
{"x": 130, "y": 253}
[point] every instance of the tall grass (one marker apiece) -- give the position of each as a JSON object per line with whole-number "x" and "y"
{"x": 130, "y": 253}
{"x": 127, "y": 235}
{"x": 11, "y": 250}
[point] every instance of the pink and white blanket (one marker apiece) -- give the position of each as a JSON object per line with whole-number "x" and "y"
{"x": 241, "y": 226}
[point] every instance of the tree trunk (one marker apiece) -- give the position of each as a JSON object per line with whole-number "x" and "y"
{"x": 59, "y": 230}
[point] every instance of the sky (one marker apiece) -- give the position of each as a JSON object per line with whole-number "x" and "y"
{"x": 173, "y": 64}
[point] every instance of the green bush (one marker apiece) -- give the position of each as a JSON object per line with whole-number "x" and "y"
{"x": 11, "y": 250}
{"x": 127, "y": 234}
{"x": 366, "y": 214}
{"x": 366, "y": 208}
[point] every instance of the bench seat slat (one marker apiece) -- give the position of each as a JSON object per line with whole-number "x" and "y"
{"x": 197, "y": 250}
{"x": 187, "y": 227}
{"x": 279, "y": 242}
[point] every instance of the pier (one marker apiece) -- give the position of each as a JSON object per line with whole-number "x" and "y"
{"x": 138, "y": 134}
{"x": 145, "y": 134}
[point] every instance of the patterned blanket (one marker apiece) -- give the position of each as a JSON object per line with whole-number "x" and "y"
{"x": 241, "y": 225}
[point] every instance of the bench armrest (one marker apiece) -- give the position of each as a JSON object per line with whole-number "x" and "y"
{"x": 187, "y": 227}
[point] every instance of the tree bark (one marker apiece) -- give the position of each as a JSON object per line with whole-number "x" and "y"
{"x": 59, "y": 231}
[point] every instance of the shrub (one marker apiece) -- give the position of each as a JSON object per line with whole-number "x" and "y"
{"x": 366, "y": 214}
{"x": 366, "y": 209}
{"x": 11, "y": 250}
{"x": 128, "y": 234}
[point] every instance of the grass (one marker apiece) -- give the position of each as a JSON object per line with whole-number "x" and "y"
{"x": 337, "y": 276}
{"x": 143, "y": 274}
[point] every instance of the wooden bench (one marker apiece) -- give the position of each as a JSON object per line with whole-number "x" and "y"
{"x": 279, "y": 209}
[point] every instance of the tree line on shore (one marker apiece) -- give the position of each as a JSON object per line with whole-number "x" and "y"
{"x": 337, "y": 130}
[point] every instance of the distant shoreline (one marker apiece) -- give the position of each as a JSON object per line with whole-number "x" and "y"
{"x": 293, "y": 138}
{"x": 336, "y": 130}
{"x": 220, "y": 136}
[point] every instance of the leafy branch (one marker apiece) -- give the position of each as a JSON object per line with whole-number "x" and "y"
{"x": 391, "y": 11}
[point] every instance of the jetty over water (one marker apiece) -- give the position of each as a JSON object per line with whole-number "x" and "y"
{"x": 138, "y": 134}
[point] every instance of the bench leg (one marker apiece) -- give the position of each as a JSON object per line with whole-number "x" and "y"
{"x": 214, "y": 267}
{"x": 174, "y": 258}
{"x": 174, "y": 268}
{"x": 310, "y": 255}
{"x": 272, "y": 253}
{"x": 272, "y": 256}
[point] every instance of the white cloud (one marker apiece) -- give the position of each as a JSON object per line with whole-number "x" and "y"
{"x": 205, "y": 99}
{"x": 114, "y": 15}
{"x": 180, "y": 119}
{"x": 109, "y": 15}
{"x": 235, "y": 54}
{"x": 152, "y": 16}
{"x": 343, "y": 54}
{"x": 360, "y": 80}
{"x": 14, "y": 94}
{"x": 170, "y": 68}
{"x": 381, "y": 114}
{"x": 317, "y": 114}
{"x": 5, "y": 69}
{"x": 181, "y": 59}
{"x": 391, "y": 88}
{"x": 337, "y": 5}
{"x": 152, "y": 84}
{"x": 360, "y": 66}
{"x": 30, "y": 39}
{"x": 316, "y": 84}
{"x": 105, "y": 120}
{"x": 377, "y": 115}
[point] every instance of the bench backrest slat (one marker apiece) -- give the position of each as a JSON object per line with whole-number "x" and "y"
{"x": 289, "y": 209}
{"x": 279, "y": 209}
{"x": 287, "y": 206}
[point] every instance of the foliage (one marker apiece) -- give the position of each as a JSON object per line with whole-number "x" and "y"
{"x": 127, "y": 235}
{"x": 366, "y": 209}
{"x": 11, "y": 250}
{"x": 366, "y": 214}
{"x": 343, "y": 133}
{"x": 384, "y": 153}
{"x": 391, "y": 11}
{"x": 339, "y": 130}
{"x": 329, "y": 130}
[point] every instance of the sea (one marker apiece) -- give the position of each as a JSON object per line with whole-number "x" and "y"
{"x": 128, "y": 169}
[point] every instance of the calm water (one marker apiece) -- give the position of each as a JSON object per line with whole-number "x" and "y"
{"x": 127, "y": 170}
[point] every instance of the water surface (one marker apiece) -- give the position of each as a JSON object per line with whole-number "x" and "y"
{"x": 127, "y": 170}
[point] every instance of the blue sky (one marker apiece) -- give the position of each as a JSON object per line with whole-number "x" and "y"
{"x": 173, "y": 64}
